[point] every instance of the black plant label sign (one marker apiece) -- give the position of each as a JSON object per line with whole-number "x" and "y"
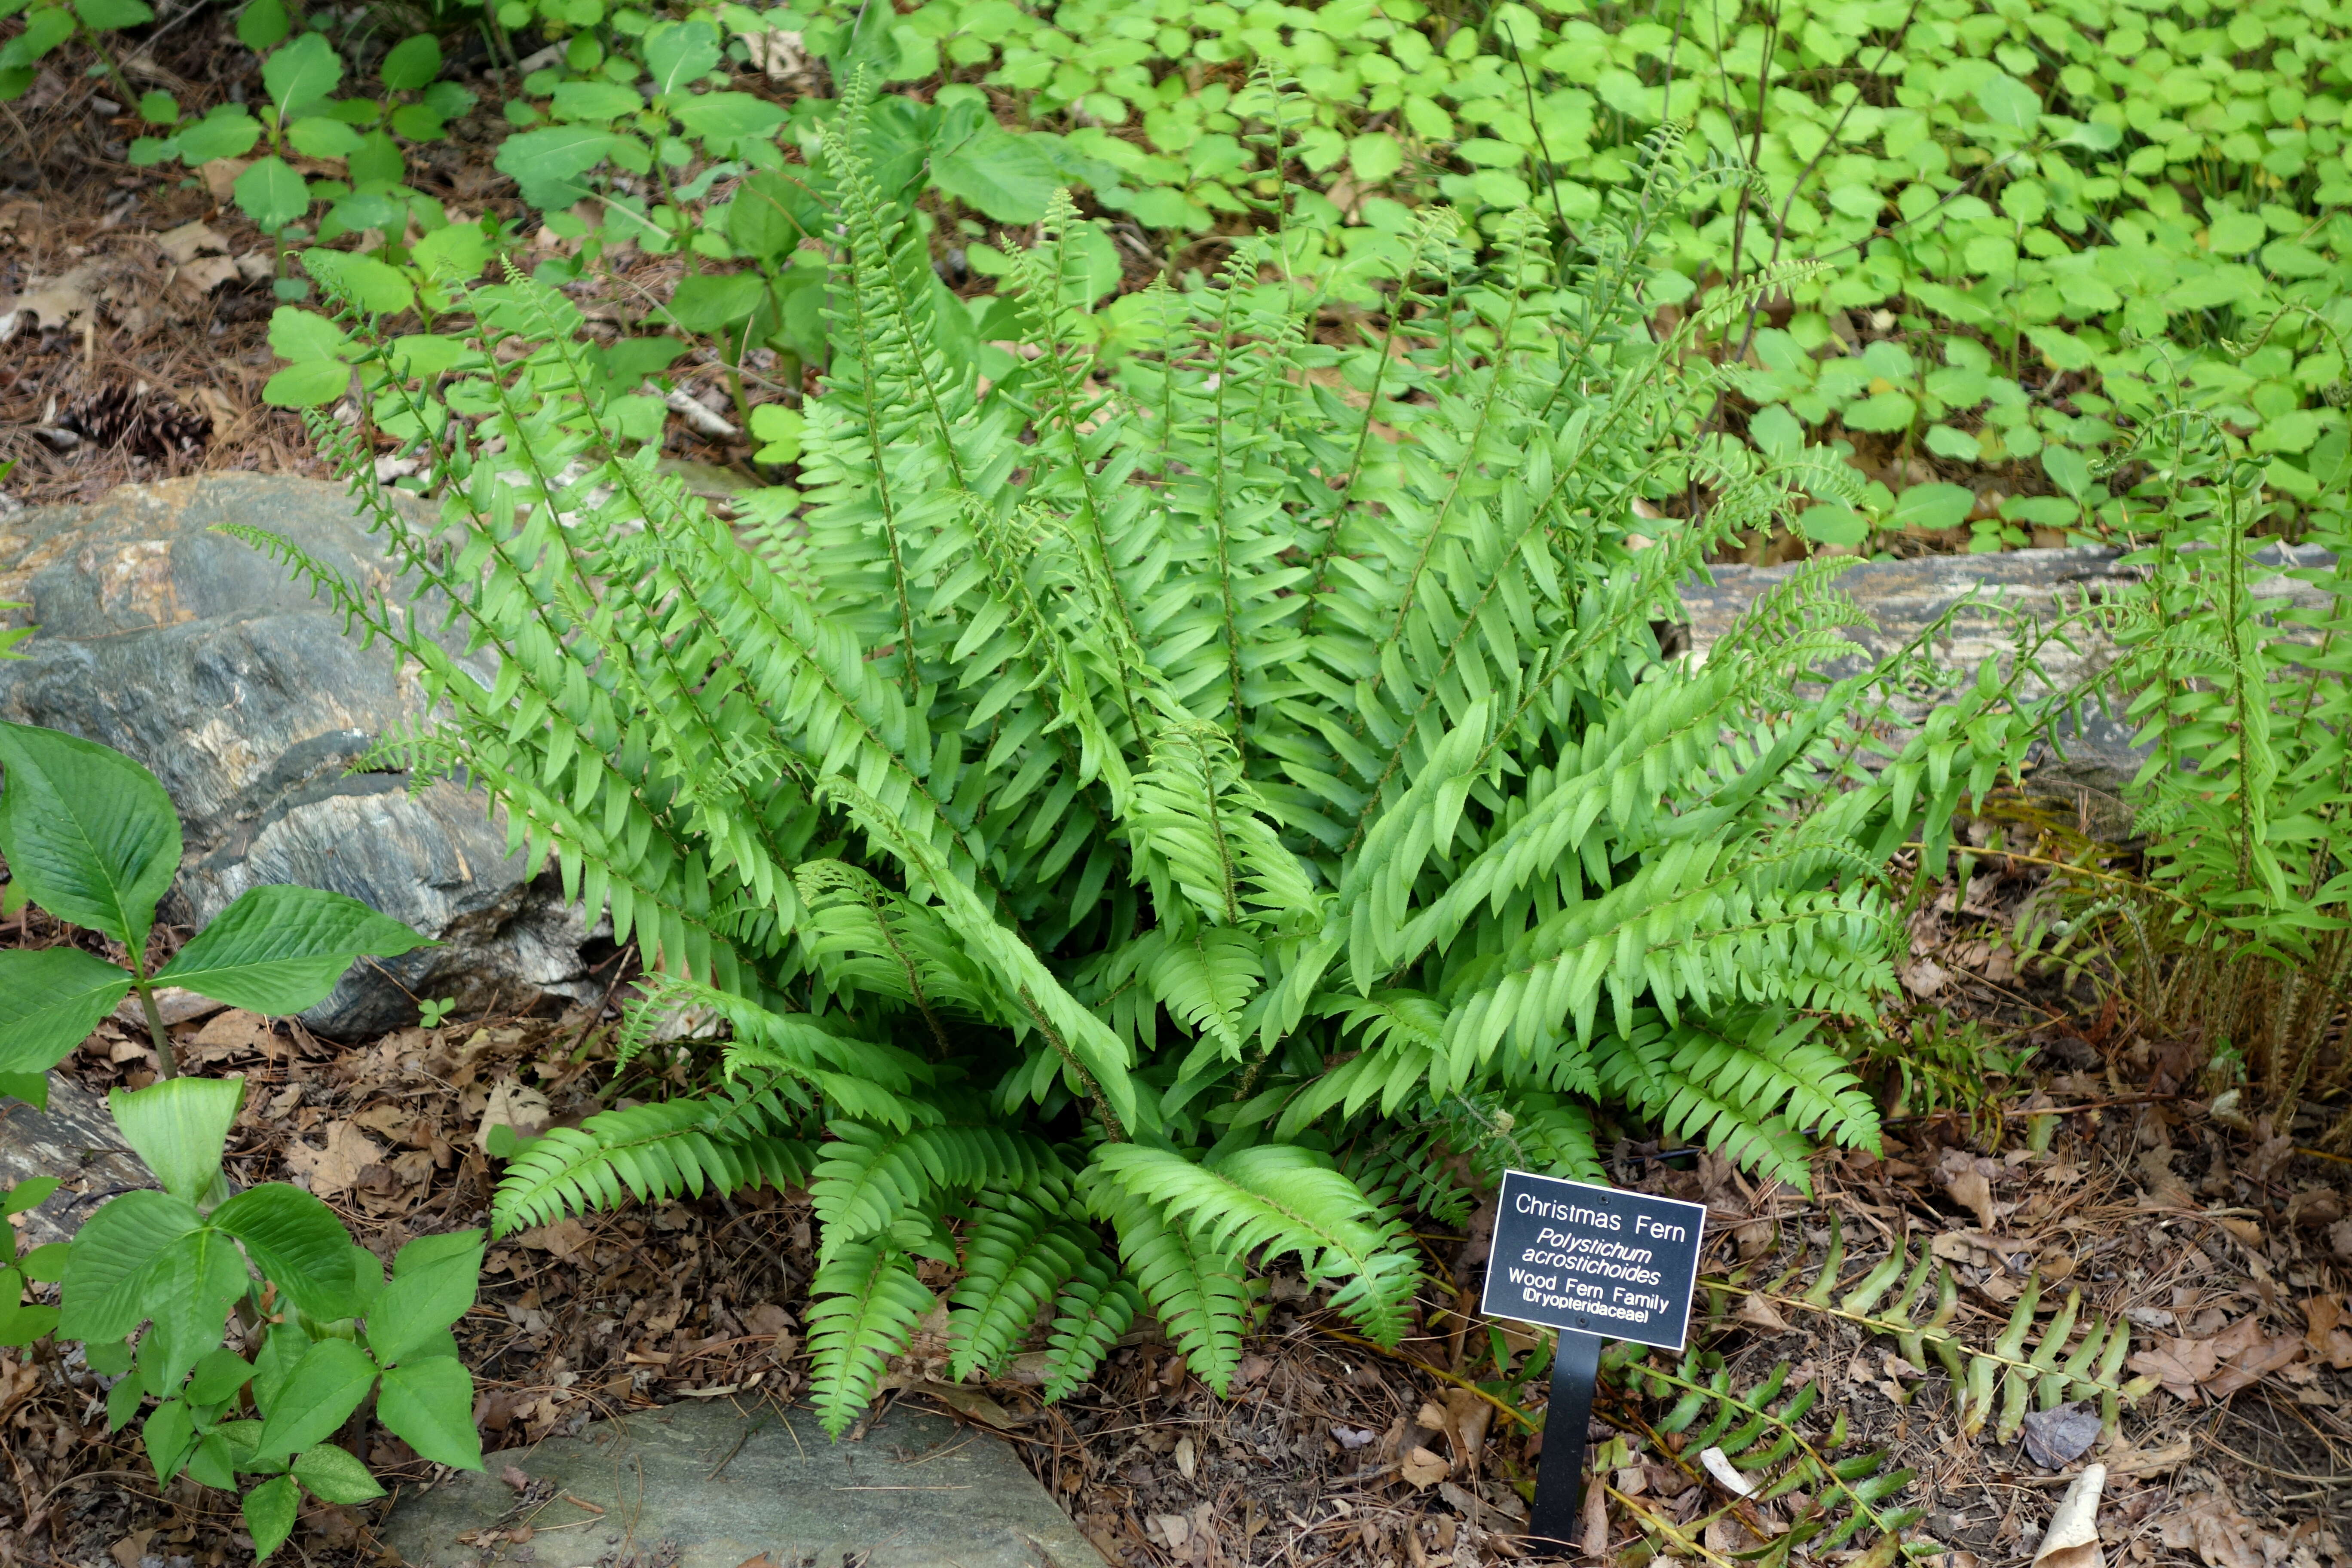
{"x": 1570, "y": 1255}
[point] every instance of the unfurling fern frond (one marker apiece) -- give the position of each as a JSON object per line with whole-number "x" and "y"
{"x": 863, "y": 1304}
{"x": 742, "y": 1133}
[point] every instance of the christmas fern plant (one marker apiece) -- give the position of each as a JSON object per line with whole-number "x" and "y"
{"x": 1138, "y": 822}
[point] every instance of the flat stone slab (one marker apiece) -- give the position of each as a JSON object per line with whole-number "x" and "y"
{"x": 719, "y": 1489}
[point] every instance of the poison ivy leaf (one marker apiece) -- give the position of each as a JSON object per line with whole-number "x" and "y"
{"x": 179, "y": 1127}
{"x": 279, "y": 949}
{"x": 50, "y": 999}
{"x": 429, "y": 1405}
{"x": 88, "y": 833}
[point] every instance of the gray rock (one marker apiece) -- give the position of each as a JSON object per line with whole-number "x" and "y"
{"x": 73, "y": 1140}
{"x": 206, "y": 661}
{"x": 720, "y": 1487}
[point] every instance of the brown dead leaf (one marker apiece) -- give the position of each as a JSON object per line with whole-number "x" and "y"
{"x": 184, "y": 244}
{"x": 2180, "y": 1364}
{"x": 334, "y": 1170}
{"x": 220, "y": 176}
{"x": 1758, "y": 1312}
{"x": 563, "y": 1238}
{"x": 1973, "y": 1193}
{"x": 204, "y": 273}
{"x": 1468, "y": 1416}
{"x": 131, "y": 1548}
{"x": 2072, "y": 1539}
{"x": 234, "y": 1030}
{"x": 2248, "y": 1356}
{"x": 522, "y": 1111}
{"x": 2213, "y": 1526}
{"x": 1421, "y": 1467}
{"x": 54, "y": 302}
{"x": 2323, "y": 1317}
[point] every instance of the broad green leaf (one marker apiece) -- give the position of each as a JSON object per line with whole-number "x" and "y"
{"x": 539, "y": 157}
{"x": 298, "y": 1244}
{"x": 714, "y": 301}
{"x": 770, "y": 214}
{"x": 452, "y": 255}
{"x": 100, "y": 1297}
{"x": 158, "y": 109}
{"x": 779, "y": 428}
{"x": 2067, "y": 468}
{"x": 429, "y": 1405}
{"x": 1932, "y": 507}
{"x": 431, "y": 1251}
{"x": 308, "y": 385}
{"x": 218, "y": 1376}
{"x": 179, "y": 1127}
{"x": 1375, "y": 156}
{"x": 325, "y": 1386}
{"x": 188, "y": 1288}
{"x": 228, "y": 132}
{"x": 168, "y": 1433}
{"x": 727, "y": 116}
{"x": 304, "y": 71}
{"x": 1002, "y": 174}
{"x": 1832, "y": 524}
{"x": 106, "y": 15}
{"x": 32, "y": 1087}
{"x": 50, "y": 999}
{"x": 281, "y": 1352}
{"x": 411, "y": 64}
{"x": 269, "y": 1511}
{"x": 333, "y": 1475}
{"x": 279, "y": 949}
{"x": 209, "y": 1465}
{"x": 316, "y": 136}
{"x": 423, "y": 1298}
{"x": 24, "y": 1322}
{"x": 1884, "y": 412}
{"x": 122, "y": 1403}
{"x": 2008, "y": 103}
{"x": 595, "y": 103}
{"x": 262, "y": 23}
{"x": 88, "y": 833}
{"x": 28, "y": 1193}
{"x": 370, "y": 284}
{"x": 679, "y": 52}
{"x": 271, "y": 193}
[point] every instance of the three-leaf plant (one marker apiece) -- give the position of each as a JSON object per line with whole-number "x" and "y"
{"x": 90, "y": 836}
{"x": 325, "y": 1328}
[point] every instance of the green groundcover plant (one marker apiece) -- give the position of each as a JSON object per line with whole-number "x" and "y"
{"x": 153, "y": 1282}
{"x": 1146, "y": 818}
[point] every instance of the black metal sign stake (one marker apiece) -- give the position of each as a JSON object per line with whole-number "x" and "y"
{"x": 1592, "y": 1262}
{"x": 1560, "y": 1474}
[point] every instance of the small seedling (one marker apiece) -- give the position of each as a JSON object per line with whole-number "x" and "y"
{"x": 429, "y": 1014}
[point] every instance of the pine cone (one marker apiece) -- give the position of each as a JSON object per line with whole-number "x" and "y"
{"x": 147, "y": 423}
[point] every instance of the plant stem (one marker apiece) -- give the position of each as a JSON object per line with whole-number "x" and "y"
{"x": 163, "y": 1057}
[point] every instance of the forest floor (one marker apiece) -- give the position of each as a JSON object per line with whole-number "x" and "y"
{"x": 2229, "y": 1255}
{"x": 2230, "y": 1258}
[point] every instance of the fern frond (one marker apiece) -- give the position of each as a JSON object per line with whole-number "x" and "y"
{"x": 733, "y": 1137}
{"x": 1017, "y": 1253}
{"x": 1196, "y": 1288}
{"x": 863, "y": 1304}
{"x": 1094, "y": 1308}
{"x": 1282, "y": 1198}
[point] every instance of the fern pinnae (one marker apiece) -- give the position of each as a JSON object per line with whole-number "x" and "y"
{"x": 865, "y": 1301}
